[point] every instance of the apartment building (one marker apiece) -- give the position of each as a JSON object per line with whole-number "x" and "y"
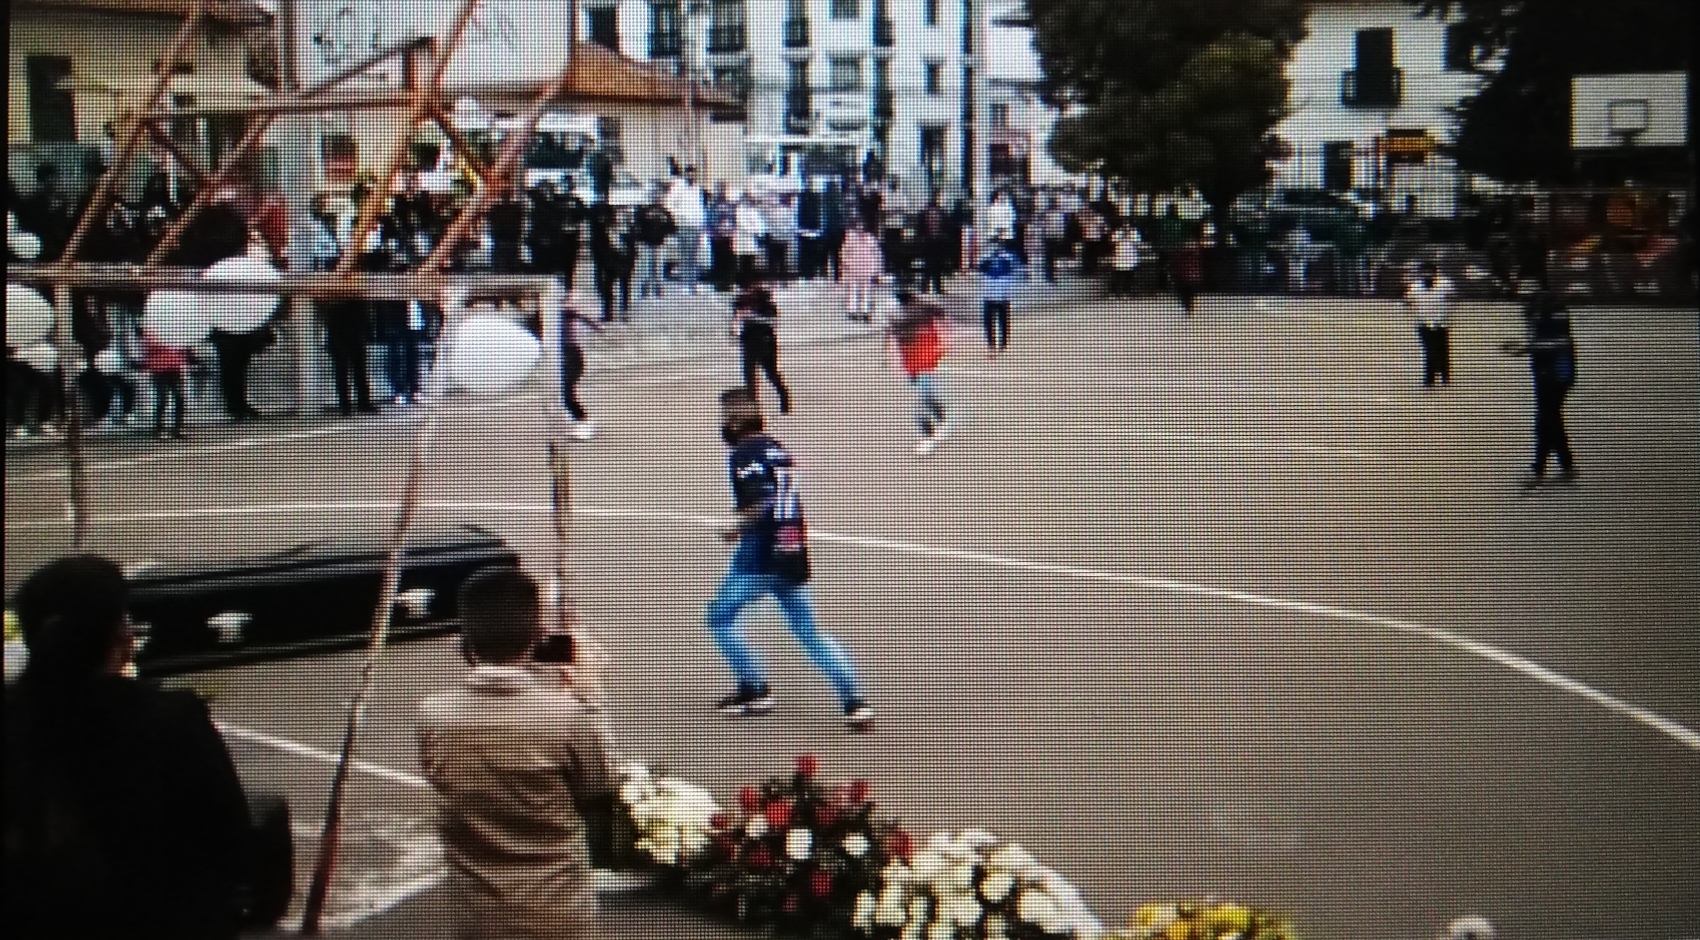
{"x": 892, "y": 77}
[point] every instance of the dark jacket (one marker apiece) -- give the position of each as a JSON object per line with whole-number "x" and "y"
{"x": 124, "y": 815}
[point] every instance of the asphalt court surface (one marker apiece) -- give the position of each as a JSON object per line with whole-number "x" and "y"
{"x": 1226, "y": 606}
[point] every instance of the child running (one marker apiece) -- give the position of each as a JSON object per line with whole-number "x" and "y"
{"x": 918, "y": 339}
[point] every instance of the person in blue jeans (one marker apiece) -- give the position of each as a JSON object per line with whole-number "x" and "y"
{"x": 771, "y": 559}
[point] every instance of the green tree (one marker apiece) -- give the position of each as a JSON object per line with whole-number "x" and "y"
{"x": 1168, "y": 94}
{"x": 1517, "y": 127}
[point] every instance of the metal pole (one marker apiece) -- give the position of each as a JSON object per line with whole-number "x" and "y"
{"x": 296, "y": 167}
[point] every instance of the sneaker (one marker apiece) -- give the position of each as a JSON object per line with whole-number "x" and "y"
{"x": 858, "y": 714}
{"x": 746, "y": 703}
{"x": 1532, "y": 481}
{"x": 585, "y": 430}
{"x": 927, "y": 445}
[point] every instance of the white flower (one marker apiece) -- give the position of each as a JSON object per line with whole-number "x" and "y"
{"x": 977, "y": 838}
{"x": 966, "y": 910}
{"x": 756, "y": 827}
{"x": 912, "y": 932}
{"x": 897, "y": 873}
{"x": 941, "y": 930}
{"x": 928, "y": 865}
{"x": 636, "y": 770}
{"x": 1040, "y": 909}
{"x": 889, "y": 911}
{"x": 920, "y": 910}
{"x": 863, "y": 916}
{"x": 962, "y": 877}
{"x": 855, "y": 845}
{"x": 798, "y": 843}
{"x": 996, "y": 927}
{"x": 996, "y": 886}
{"x": 636, "y": 792}
{"x": 1010, "y": 857}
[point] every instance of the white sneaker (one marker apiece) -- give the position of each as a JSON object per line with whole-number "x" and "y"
{"x": 585, "y": 430}
{"x": 927, "y": 445}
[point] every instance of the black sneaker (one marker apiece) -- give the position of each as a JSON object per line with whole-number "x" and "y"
{"x": 746, "y": 702}
{"x": 858, "y": 714}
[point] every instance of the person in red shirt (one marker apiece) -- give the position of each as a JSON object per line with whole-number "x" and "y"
{"x": 918, "y": 335}
{"x": 164, "y": 365}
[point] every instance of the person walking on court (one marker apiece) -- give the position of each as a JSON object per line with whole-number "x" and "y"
{"x": 999, "y": 272}
{"x": 1430, "y": 298}
{"x": 1552, "y": 365}
{"x": 771, "y": 559}
{"x": 755, "y": 316}
{"x": 572, "y": 369}
{"x": 918, "y": 342}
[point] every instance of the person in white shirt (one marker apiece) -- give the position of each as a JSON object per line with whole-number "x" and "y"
{"x": 1127, "y": 252}
{"x": 1430, "y": 298}
{"x": 1000, "y": 217}
{"x": 749, "y": 230}
{"x": 689, "y": 206}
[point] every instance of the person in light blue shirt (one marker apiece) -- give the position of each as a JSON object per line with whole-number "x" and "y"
{"x": 1000, "y": 270}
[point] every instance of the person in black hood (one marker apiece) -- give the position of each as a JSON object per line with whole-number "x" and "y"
{"x": 1552, "y": 365}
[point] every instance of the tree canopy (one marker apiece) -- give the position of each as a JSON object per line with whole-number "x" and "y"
{"x": 1168, "y": 94}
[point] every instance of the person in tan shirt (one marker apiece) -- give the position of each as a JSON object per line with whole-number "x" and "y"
{"x": 519, "y": 763}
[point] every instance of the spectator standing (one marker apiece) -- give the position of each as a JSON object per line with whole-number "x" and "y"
{"x": 933, "y": 233}
{"x": 519, "y": 767}
{"x": 1552, "y": 365}
{"x": 755, "y": 316}
{"x": 748, "y": 235}
{"x": 861, "y": 273}
{"x": 688, "y": 205}
{"x": 165, "y": 366}
{"x": 1053, "y": 229}
{"x": 1127, "y": 252}
{"x": 836, "y": 214}
{"x": 771, "y": 559}
{"x": 1189, "y": 273}
{"x": 999, "y": 272}
{"x": 546, "y": 229}
{"x": 48, "y": 213}
{"x": 652, "y": 226}
{"x": 346, "y": 321}
{"x": 781, "y": 219}
{"x": 573, "y": 216}
{"x": 124, "y": 814}
{"x": 722, "y": 227}
{"x": 505, "y": 222}
{"x": 811, "y": 229}
{"x": 611, "y": 260}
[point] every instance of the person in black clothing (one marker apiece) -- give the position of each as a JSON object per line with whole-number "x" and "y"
{"x": 756, "y": 318}
{"x": 124, "y": 814}
{"x": 543, "y": 237}
{"x": 652, "y": 226}
{"x": 506, "y": 221}
{"x": 610, "y": 258}
{"x": 934, "y": 235}
{"x": 1552, "y": 365}
{"x": 572, "y": 369}
{"x": 573, "y": 216}
{"x": 48, "y": 213}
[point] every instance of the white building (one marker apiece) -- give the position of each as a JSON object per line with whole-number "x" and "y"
{"x": 893, "y": 77}
{"x": 1018, "y": 122}
{"x": 1374, "y": 85}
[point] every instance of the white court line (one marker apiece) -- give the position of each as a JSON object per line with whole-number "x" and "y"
{"x": 1232, "y": 443}
{"x": 1682, "y": 734}
{"x": 320, "y": 756}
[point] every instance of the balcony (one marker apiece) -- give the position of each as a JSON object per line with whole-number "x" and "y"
{"x": 799, "y": 111}
{"x": 727, "y": 40}
{"x": 796, "y": 33}
{"x": 885, "y": 33}
{"x": 1382, "y": 89}
{"x": 665, "y": 45}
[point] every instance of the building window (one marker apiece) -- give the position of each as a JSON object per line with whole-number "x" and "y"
{"x": 666, "y": 29}
{"x": 1373, "y": 81}
{"x": 726, "y": 31}
{"x": 53, "y": 107}
{"x": 1000, "y": 115}
{"x": 734, "y": 80}
{"x": 846, "y": 9}
{"x": 932, "y": 154}
{"x": 602, "y": 25}
{"x": 930, "y": 12}
{"x": 934, "y": 78}
{"x": 1460, "y": 48}
{"x": 846, "y": 73}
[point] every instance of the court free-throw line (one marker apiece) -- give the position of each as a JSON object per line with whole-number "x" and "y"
{"x": 1676, "y": 731}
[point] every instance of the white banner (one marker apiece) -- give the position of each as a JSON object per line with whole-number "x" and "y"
{"x": 506, "y": 41}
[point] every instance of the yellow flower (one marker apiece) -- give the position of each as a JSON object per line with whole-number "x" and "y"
{"x": 1227, "y": 919}
{"x": 13, "y": 630}
{"x": 1153, "y": 918}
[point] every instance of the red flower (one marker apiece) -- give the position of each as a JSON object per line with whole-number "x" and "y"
{"x": 720, "y": 822}
{"x": 900, "y": 845}
{"x": 859, "y": 791}
{"x": 820, "y": 883}
{"x": 825, "y": 814}
{"x": 759, "y": 858}
{"x": 749, "y": 799}
{"x": 807, "y": 766}
{"x": 779, "y": 814}
{"x": 792, "y": 904}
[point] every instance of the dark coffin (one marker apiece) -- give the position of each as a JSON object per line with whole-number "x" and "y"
{"x": 315, "y": 596}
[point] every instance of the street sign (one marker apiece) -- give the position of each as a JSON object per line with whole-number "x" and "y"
{"x": 507, "y": 42}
